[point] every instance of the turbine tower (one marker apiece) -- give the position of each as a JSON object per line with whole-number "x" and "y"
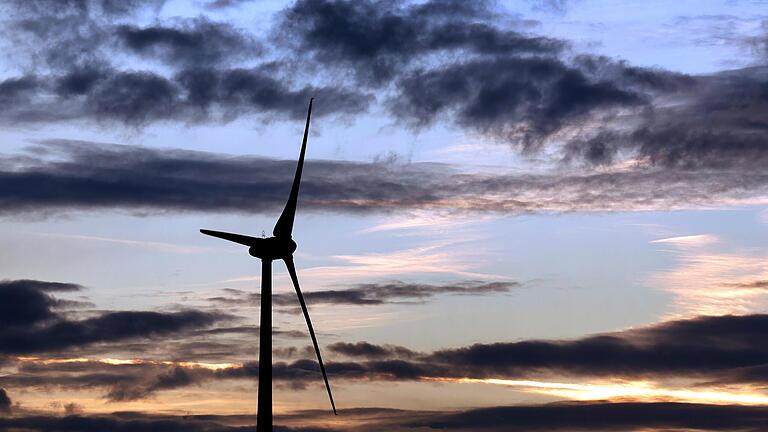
{"x": 280, "y": 246}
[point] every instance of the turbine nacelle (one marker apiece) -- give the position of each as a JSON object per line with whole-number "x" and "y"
{"x": 272, "y": 248}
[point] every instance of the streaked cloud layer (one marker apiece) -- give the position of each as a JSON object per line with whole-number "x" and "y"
{"x": 58, "y": 176}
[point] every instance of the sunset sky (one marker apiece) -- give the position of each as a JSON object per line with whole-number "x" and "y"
{"x": 515, "y": 215}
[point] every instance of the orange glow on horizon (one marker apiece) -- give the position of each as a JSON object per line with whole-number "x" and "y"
{"x": 641, "y": 391}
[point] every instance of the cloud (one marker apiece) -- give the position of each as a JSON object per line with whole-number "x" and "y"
{"x": 710, "y": 283}
{"x": 456, "y": 61}
{"x": 36, "y": 285}
{"x": 759, "y": 284}
{"x": 137, "y": 98}
{"x": 194, "y": 42}
{"x": 60, "y": 176}
{"x": 380, "y": 293}
{"x": 604, "y": 417}
{"x": 372, "y": 351}
{"x": 704, "y": 345}
{"x": 223, "y": 4}
{"x": 717, "y": 123}
{"x": 5, "y": 402}
{"x": 177, "y": 377}
{"x": 83, "y": 424}
{"x": 691, "y": 240}
{"x": 551, "y": 417}
{"x": 122, "y": 380}
{"x": 370, "y": 294}
{"x": 700, "y": 350}
{"x": 520, "y": 99}
{"x": 29, "y": 325}
{"x": 26, "y": 302}
{"x": 160, "y": 246}
{"x": 106, "y": 328}
{"x": 380, "y": 39}
{"x": 473, "y": 65}
{"x": 530, "y": 91}
{"x": 209, "y": 72}
{"x": 83, "y": 7}
{"x": 717, "y": 359}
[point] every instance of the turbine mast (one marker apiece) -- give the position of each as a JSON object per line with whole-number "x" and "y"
{"x": 264, "y": 402}
{"x": 281, "y": 246}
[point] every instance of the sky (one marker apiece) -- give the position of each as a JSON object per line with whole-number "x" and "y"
{"x": 515, "y": 215}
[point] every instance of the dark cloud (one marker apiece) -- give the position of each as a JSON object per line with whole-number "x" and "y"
{"x": 37, "y": 285}
{"x": 112, "y": 8}
{"x": 176, "y": 377}
{"x": 195, "y": 42}
{"x": 527, "y": 91}
{"x": 518, "y": 87}
{"x": 73, "y": 408}
{"x": 758, "y": 284}
{"x": 520, "y": 99}
{"x": 223, "y": 4}
{"x": 121, "y": 382}
{"x": 378, "y": 39}
{"x": 369, "y": 350}
{"x": 17, "y": 90}
{"x": 702, "y": 346}
{"x": 380, "y": 293}
{"x": 26, "y": 302}
{"x": 140, "y": 422}
{"x": 470, "y": 64}
{"x": 65, "y": 175}
{"x": 67, "y": 34}
{"x": 108, "y": 327}
{"x": 132, "y": 97}
{"x": 78, "y": 76}
{"x": 83, "y": 424}
{"x": 138, "y": 98}
{"x": 723, "y": 350}
{"x": 605, "y": 417}
{"x": 563, "y": 417}
{"x": 556, "y": 6}
{"x": 235, "y": 92}
{"x": 5, "y": 402}
{"x": 719, "y": 124}
{"x": 28, "y": 323}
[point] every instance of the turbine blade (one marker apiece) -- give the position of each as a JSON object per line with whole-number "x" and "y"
{"x": 237, "y": 238}
{"x": 284, "y": 225}
{"x": 295, "y": 279}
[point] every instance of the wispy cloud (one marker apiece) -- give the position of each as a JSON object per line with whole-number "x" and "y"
{"x": 160, "y": 246}
{"x": 420, "y": 221}
{"x": 715, "y": 283}
{"x": 418, "y": 260}
{"x": 438, "y": 257}
{"x": 689, "y": 241}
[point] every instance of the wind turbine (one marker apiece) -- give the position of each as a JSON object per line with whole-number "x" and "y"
{"x": 280, "y": 246}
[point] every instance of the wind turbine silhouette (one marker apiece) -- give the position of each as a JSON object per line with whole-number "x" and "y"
{"x": 280, "y": 246}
